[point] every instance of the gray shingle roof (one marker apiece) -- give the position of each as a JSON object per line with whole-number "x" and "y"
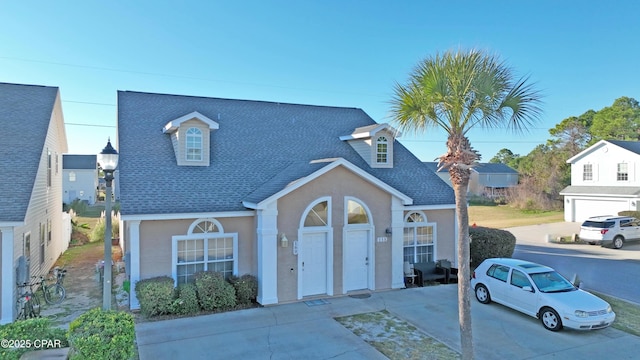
{"x": 73, "y": 161}
{"x": 494, "y": 168}
{"x": 25, "y": 113}
{"x": 633, "y": 146}
{"x": 259, "y": 147}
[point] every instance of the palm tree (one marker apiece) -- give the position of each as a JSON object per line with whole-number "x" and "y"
{"x": 457, "y": 91}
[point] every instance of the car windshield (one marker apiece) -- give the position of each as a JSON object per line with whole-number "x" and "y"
{"x": 551, "y": 281}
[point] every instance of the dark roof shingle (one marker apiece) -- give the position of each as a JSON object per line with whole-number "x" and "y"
{"x": 25, "y": 113}
{"x": 253, "y": 153}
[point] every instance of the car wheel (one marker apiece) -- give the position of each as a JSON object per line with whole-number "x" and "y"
{"x": 618, "y": 241}
{"x": 482, "y": 294}
{"x": 550, "y": 319}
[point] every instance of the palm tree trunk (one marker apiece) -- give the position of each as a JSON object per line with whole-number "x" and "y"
{"x": 464, "y": 271}
{"x": 460, "y": 157}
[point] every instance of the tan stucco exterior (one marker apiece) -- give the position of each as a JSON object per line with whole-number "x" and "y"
{"x": 336, "y": 185}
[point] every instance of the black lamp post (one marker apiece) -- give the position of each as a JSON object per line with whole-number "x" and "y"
{"x": 108, "y": 160}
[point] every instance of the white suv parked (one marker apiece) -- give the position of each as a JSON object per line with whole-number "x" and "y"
{"x": 610, "y": 230}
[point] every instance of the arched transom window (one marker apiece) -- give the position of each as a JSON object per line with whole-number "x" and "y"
{"x": 356, "y": 213}
{"x": 318, "y": 215}
{"x": 419, "y": 238}
{"x": 193, "y": 142}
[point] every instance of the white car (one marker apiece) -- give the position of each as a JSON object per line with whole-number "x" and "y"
{"x": 541, "y": 292}
{"x": 611, "y": 231}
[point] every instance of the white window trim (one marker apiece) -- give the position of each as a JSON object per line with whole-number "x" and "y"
{"x": 421, "y": 224}
{"x": 201, "y": 236}
{"x": 198, "y": 135}
{"x": 386, "y": 152}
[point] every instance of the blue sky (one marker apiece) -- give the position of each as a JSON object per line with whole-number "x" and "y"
{"x": 581, "y": 54}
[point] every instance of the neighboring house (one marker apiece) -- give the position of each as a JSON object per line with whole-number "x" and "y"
{"x": 605, "y": 179}
{"x": 32, "y": 231}
{"x": 80, "y": 178}
{"x": 312, "y": 200}
{"x": 486, "y": 179}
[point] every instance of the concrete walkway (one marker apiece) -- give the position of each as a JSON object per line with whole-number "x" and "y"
{"x": 300, "y": 331}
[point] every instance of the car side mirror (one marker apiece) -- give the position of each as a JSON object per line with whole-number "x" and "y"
{"x": 527, "y": 288}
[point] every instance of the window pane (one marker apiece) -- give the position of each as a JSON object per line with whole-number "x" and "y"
{"x": 206, "y": 227}
{"x": 356, "y": 213}
{"x": 416, "y": 217}
{"x": 424, "y": 254}
{"x": 408, "y": 238}
{"x": 190, "y": 250}
{"x": 194, "y": 144}
{"x": 318, "y": 215}
{"x": 424, "y": 235}
{"x": 220, "y": 249}
{"x": 409, "y": 255}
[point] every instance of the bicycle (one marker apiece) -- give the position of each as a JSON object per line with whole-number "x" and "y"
{"x": 53, "y": 293}
{"x": 28, "y": 304}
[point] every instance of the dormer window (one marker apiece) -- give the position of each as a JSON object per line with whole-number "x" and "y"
{"x": 194, "y": 144}
{"x": 382, "y": 149}
{"x": 374, "y": 143}
{"x": 191, "y": 137}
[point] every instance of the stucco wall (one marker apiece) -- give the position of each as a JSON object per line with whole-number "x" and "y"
{"x": 336, "y": 184}
{"x": 156, "y": 242}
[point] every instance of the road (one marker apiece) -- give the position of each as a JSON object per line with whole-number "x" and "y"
{"x": 609, "y": 271}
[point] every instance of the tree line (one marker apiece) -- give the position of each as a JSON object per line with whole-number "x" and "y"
{"x": 544, "y": 172}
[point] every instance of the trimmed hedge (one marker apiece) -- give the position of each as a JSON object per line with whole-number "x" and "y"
{"x": 214, "y": 292}
{"x": 186, "y": 302}
{"x": 246, "y": 288}
{"x": 31, "y": 330}
{"x": 635, "y": 214}
{"x": 490, "y": 243}
{"x": 99, "y": 335}
{"x": 156, "y": 295}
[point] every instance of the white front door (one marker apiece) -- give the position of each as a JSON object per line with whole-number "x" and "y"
{"x": 356, "y": 260}
{"x": 313, "y": 263}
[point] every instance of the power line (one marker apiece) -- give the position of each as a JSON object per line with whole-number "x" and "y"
{"x": 93, "y": 125}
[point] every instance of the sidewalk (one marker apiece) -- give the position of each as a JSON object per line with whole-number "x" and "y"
{"x": 297, "y": 330}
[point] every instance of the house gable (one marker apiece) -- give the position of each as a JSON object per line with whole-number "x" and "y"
{"x": 374, "y": 143}
{"x": 190, "y": 137}
{"x": 604, "y": 180}
{"x": 326, "y": 165}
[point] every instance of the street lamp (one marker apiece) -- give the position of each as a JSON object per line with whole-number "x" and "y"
{"x": 108, "y": 160}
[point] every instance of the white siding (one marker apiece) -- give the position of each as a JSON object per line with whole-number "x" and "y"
{"x": 605, "y": 159}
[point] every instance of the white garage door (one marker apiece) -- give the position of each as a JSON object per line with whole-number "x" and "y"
{"x": 588, "y": 208}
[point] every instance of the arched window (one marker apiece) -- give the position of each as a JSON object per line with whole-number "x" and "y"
{"x": 193, "y": 141}
{"x": 205, "y": 248}
{"x": 382, "y": 150}
{"x": 356, "y": 213}
{"x": 318, "y": 215}
{"x": 419, "y": 238}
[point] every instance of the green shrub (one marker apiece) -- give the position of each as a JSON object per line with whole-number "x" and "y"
{"x": 489, "y": 243}
{"x": 214, "y": 292}
{"x": 186, "y": 303}
{"x": 155, "y": 295}
{"x": 31, "y": 330}
{"x": 246, "y": 288}
{"x": 99, "y": 334}
{"x": 635, "y": 214}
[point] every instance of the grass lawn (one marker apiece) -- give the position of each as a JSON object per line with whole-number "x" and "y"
{"x": 504, "y": 216}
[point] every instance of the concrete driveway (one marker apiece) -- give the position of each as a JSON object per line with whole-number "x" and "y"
{"x": 300, "y": 331}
